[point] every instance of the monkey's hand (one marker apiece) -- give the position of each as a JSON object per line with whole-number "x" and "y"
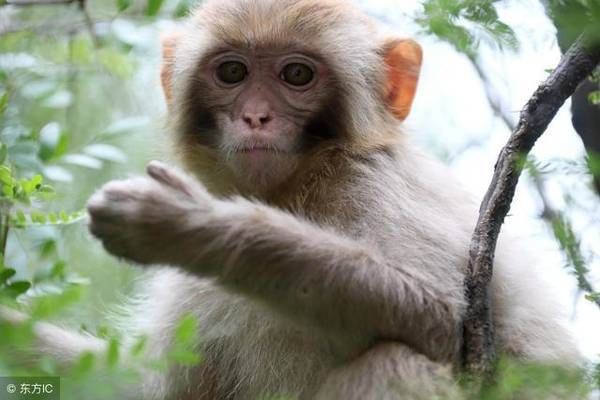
{"x": 144, "y": 219}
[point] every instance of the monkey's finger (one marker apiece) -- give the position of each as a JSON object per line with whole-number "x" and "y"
{"x": 96, "y": 205}
{"x": 117, "y": 211}
{"x": 164, "y": 174}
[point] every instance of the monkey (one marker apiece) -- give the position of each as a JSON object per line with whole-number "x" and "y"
{"x": 323, "y": 254}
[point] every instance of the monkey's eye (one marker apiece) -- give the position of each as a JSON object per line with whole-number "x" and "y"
{"x": 297, "y": 74}
{"x": 232, "y": 72}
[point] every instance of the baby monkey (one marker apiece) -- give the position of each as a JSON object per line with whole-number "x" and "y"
{"x": 323, "y": 255}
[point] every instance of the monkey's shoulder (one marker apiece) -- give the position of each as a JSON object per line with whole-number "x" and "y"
{"x": 387, "y": 185}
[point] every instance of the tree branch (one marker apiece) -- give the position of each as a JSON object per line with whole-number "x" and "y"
{"x": 576, "y": 65}
{"x": 553, "y": 217}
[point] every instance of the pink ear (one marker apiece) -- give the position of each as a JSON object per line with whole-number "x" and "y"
{"x": 403, "y": 59}
{"x": 168, "y": 43}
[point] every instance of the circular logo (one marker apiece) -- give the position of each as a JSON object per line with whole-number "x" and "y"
{"x": 10, "y": 388}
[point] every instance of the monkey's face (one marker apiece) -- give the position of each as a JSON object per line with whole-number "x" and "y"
{"x": 257, "y": 86}
{"x": 260, "y": 111}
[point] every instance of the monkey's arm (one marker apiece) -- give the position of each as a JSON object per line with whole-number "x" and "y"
{"x": 295, "y": 266}
{"x": 315, "y": 273}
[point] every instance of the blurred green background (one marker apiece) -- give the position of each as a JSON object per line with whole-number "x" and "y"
{"x": 82, "y": 105}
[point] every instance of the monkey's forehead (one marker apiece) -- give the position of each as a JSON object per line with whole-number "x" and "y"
{"x": 281, "y": 23}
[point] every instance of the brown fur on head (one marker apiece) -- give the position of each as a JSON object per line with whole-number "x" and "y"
{"x": 372, "y": 81}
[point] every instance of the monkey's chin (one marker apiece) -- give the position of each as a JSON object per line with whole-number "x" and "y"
{"x": 261, "y": 170}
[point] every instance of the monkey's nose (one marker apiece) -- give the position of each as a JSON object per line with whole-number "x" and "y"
{"x": 257, "y": 120}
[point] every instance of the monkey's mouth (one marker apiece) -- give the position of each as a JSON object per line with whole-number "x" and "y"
{"x": 258, "y": 149}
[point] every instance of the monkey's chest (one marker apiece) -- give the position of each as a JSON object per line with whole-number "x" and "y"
{"x": 262, "y": 354}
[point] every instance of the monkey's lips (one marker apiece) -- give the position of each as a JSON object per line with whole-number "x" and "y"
{"x": 258, "y": 153}
{"x": 259, "y": 150}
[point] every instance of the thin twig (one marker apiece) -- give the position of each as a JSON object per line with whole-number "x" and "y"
{"x": 5, "y": 207}
{"x": 576, "y": 65}
{"x": 89, "y": 23}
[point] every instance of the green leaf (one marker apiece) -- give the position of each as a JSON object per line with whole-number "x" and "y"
{"x": 38, "y": 217}
{"x": 6, "y": 274}
{"x": 105, "y": 152}
{"x": 6, "y": 175}
{"x": 594, "y": 97}
{"x": 45, "y": 192}
{"x": 187, "y": 329}
{"x": 57, "y": 173}
{"x": 593, "y": 163}
{"x": 464, "y": 23}
{"x": 36, "y": 181}
{"x": 47, "y": 247}
{"x": 53, "y": 142}
{"x": 29, "y": 186}
{"x": 52, "y": 217}
{"x": 126, "y": 125}
{"x": 77, "y": 216}
{"x": 8, "y": 191}
{"x": 21, "y": 218}
{"x": 123, "y": 5}
{"x": 112, "y": 352}
{"x": 185, "y": 357}
{"x": 184, "y": 349}
{"x": 45, "y": 306}
{"x": 82, "y": 160}
{"x": 593, "y": 296}
{"x": 17, "y": 288}
{"x": 153, "y": 7}
{"x": 3, "y": 153}
{"x": 103, "y": 332}
{"x": 3, "y": 103}
{"x": 58, "y": 270}
{"x": 85, "y": 364}
{"x": 183, "y": 8}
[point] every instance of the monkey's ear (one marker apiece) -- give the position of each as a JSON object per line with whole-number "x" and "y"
{"x": 168, "y": 43}
{"x": 403, "y": 58}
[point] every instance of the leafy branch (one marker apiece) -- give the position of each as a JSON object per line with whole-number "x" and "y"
{"x": 463, "y": 23}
